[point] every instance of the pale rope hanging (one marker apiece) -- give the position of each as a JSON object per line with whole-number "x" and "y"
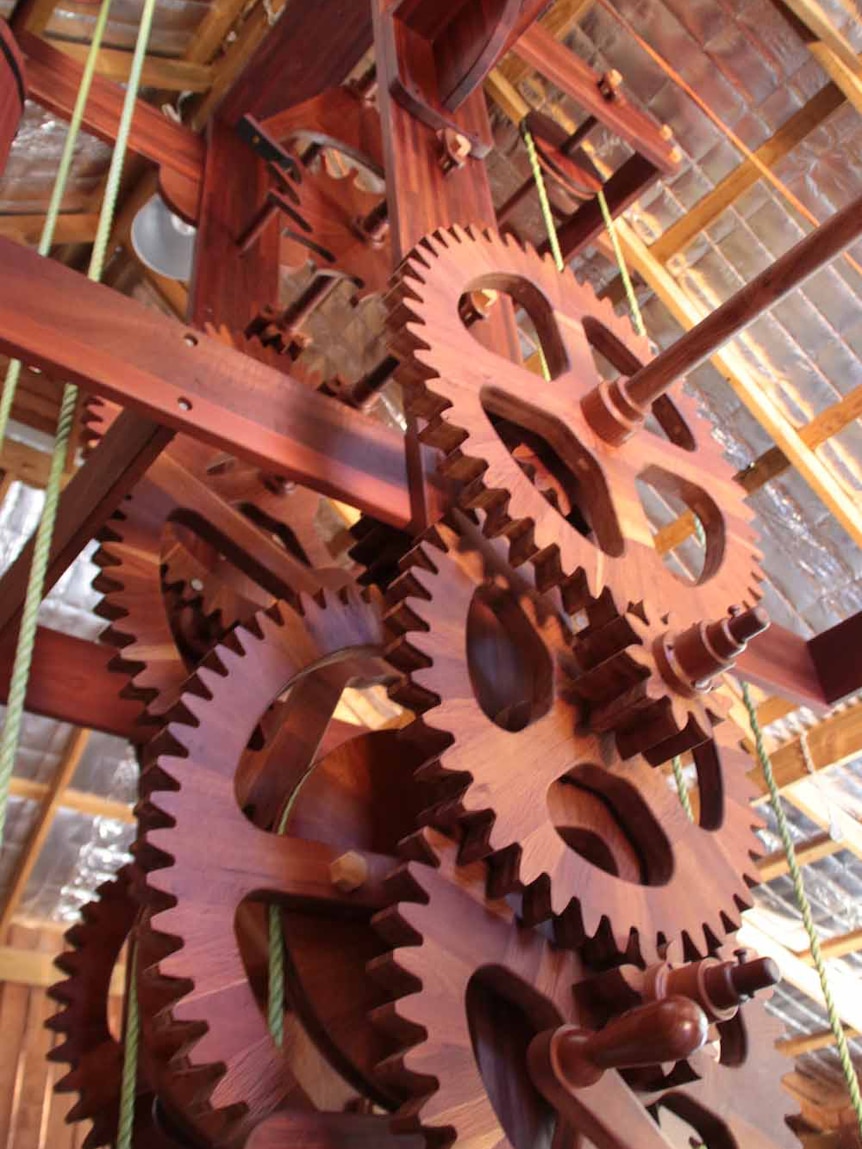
{"x": 804, "y": 907}
{"x": 45, "y": 530}
{"x": 11, "y": 732}
{"x": 46, "y": 239}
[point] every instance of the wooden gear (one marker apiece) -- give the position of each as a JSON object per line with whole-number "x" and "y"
{"x": 601, "y": 843}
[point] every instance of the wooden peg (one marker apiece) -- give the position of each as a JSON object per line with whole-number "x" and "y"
{"x": 667, "y": 1030}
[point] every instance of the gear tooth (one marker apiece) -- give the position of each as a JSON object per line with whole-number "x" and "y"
{"x": 392, "y": 926}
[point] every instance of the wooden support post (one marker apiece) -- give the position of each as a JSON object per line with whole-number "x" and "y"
{"x": 41, "y": 827}
{"x": 228, "y": 285}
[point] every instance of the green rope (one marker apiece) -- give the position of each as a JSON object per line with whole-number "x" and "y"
{"x": 275, "y": 994}
{"x": 804, "y": 907}
{"x": 681, "y": 788}
{"x": 544, "y": 202}
{"x": 46, "y": 239}
{"x": 129, "y": 1084}
{"x": 634, "y": 306}
{"x": 44, "y": 533}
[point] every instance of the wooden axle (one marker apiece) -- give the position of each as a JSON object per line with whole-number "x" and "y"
{"x": 616, "y": 410}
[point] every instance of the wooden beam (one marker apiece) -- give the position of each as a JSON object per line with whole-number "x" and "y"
{"x": 780, "y": 661}
{"x": 37, "y": 970}
{"x": 116, "y": 347}
{"x": 31, "y": 849}
{"x": 834, "y": 740}
{"x": 811, "y": 1042}
{"x": 31, "y": 16}
{"x": 310, "y": 48}
{"x": 170, "y": 75}
{"x": 708, "y": 209}
{"x": 819, "y": 28}
{"x": 208, "y": 40}
{"x": 836, "y": 947}
{"x": 845, "y": 988}
{"x": 72, "y": 227}
{"x": 558, "y": 21}
{"x": 810, "y": 800}
{"x": 25, "y": 463}
{"x": 837, "y": 657}
{"x": 94, "y": 805}
{"x": 731, "y": 363}
{"x": 571, "y": 75}
{"x": 53, "y": 79}
{"x": 819, "y": 846}
{"x": 70, "y": 681}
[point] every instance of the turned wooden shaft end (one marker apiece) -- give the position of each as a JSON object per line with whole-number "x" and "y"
{"x": 667, "y": 1030}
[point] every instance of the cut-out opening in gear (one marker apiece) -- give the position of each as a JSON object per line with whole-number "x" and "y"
{"x": 359, "y": 795}
{"x": 333, "y": 702}
{"x": 687, "y": 525}
{"x": 326, "y": 1087}
{"x": 685, "y": 1122}
{"x": 558, "y": 466}
{"x": 537, "y": 326}
{"x": 504, "y": 1015}
{"x": 511, "y": 670}
{"x": 604, "y": 819}
{"x": 612, "y": 360}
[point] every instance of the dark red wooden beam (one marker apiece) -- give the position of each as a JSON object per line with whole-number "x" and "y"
{"x": 56, "y": 319}
{"x": 71, "y": 682}
{"x": 837, "y": 657}
{"x": 559, "y": 64}
{"x": 780, "y": 661}
{"x": 312, "y": 47}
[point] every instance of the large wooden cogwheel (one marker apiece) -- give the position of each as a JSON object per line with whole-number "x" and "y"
{"x": 510, "y": 869}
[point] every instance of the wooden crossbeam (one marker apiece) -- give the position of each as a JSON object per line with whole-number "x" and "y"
{"x": 159, "y": 71}
{"x": 815, "y": 25}
{"x": 819, "y": 846}
{"x": 708, "y": 209}
{"x": 834, "y": 740}
{"x": 19, "y": 461}
{"x": 755, "y": 934}
{"x": 78, "y": 800}
{"x": 72, "y": 227}
{"x": 36, "y": 969}
{"x": 837, "y": 947}
{"x": 31, "y": 849}
{"x": 811, "y": 1042}
{"x": 559, "y": 21}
